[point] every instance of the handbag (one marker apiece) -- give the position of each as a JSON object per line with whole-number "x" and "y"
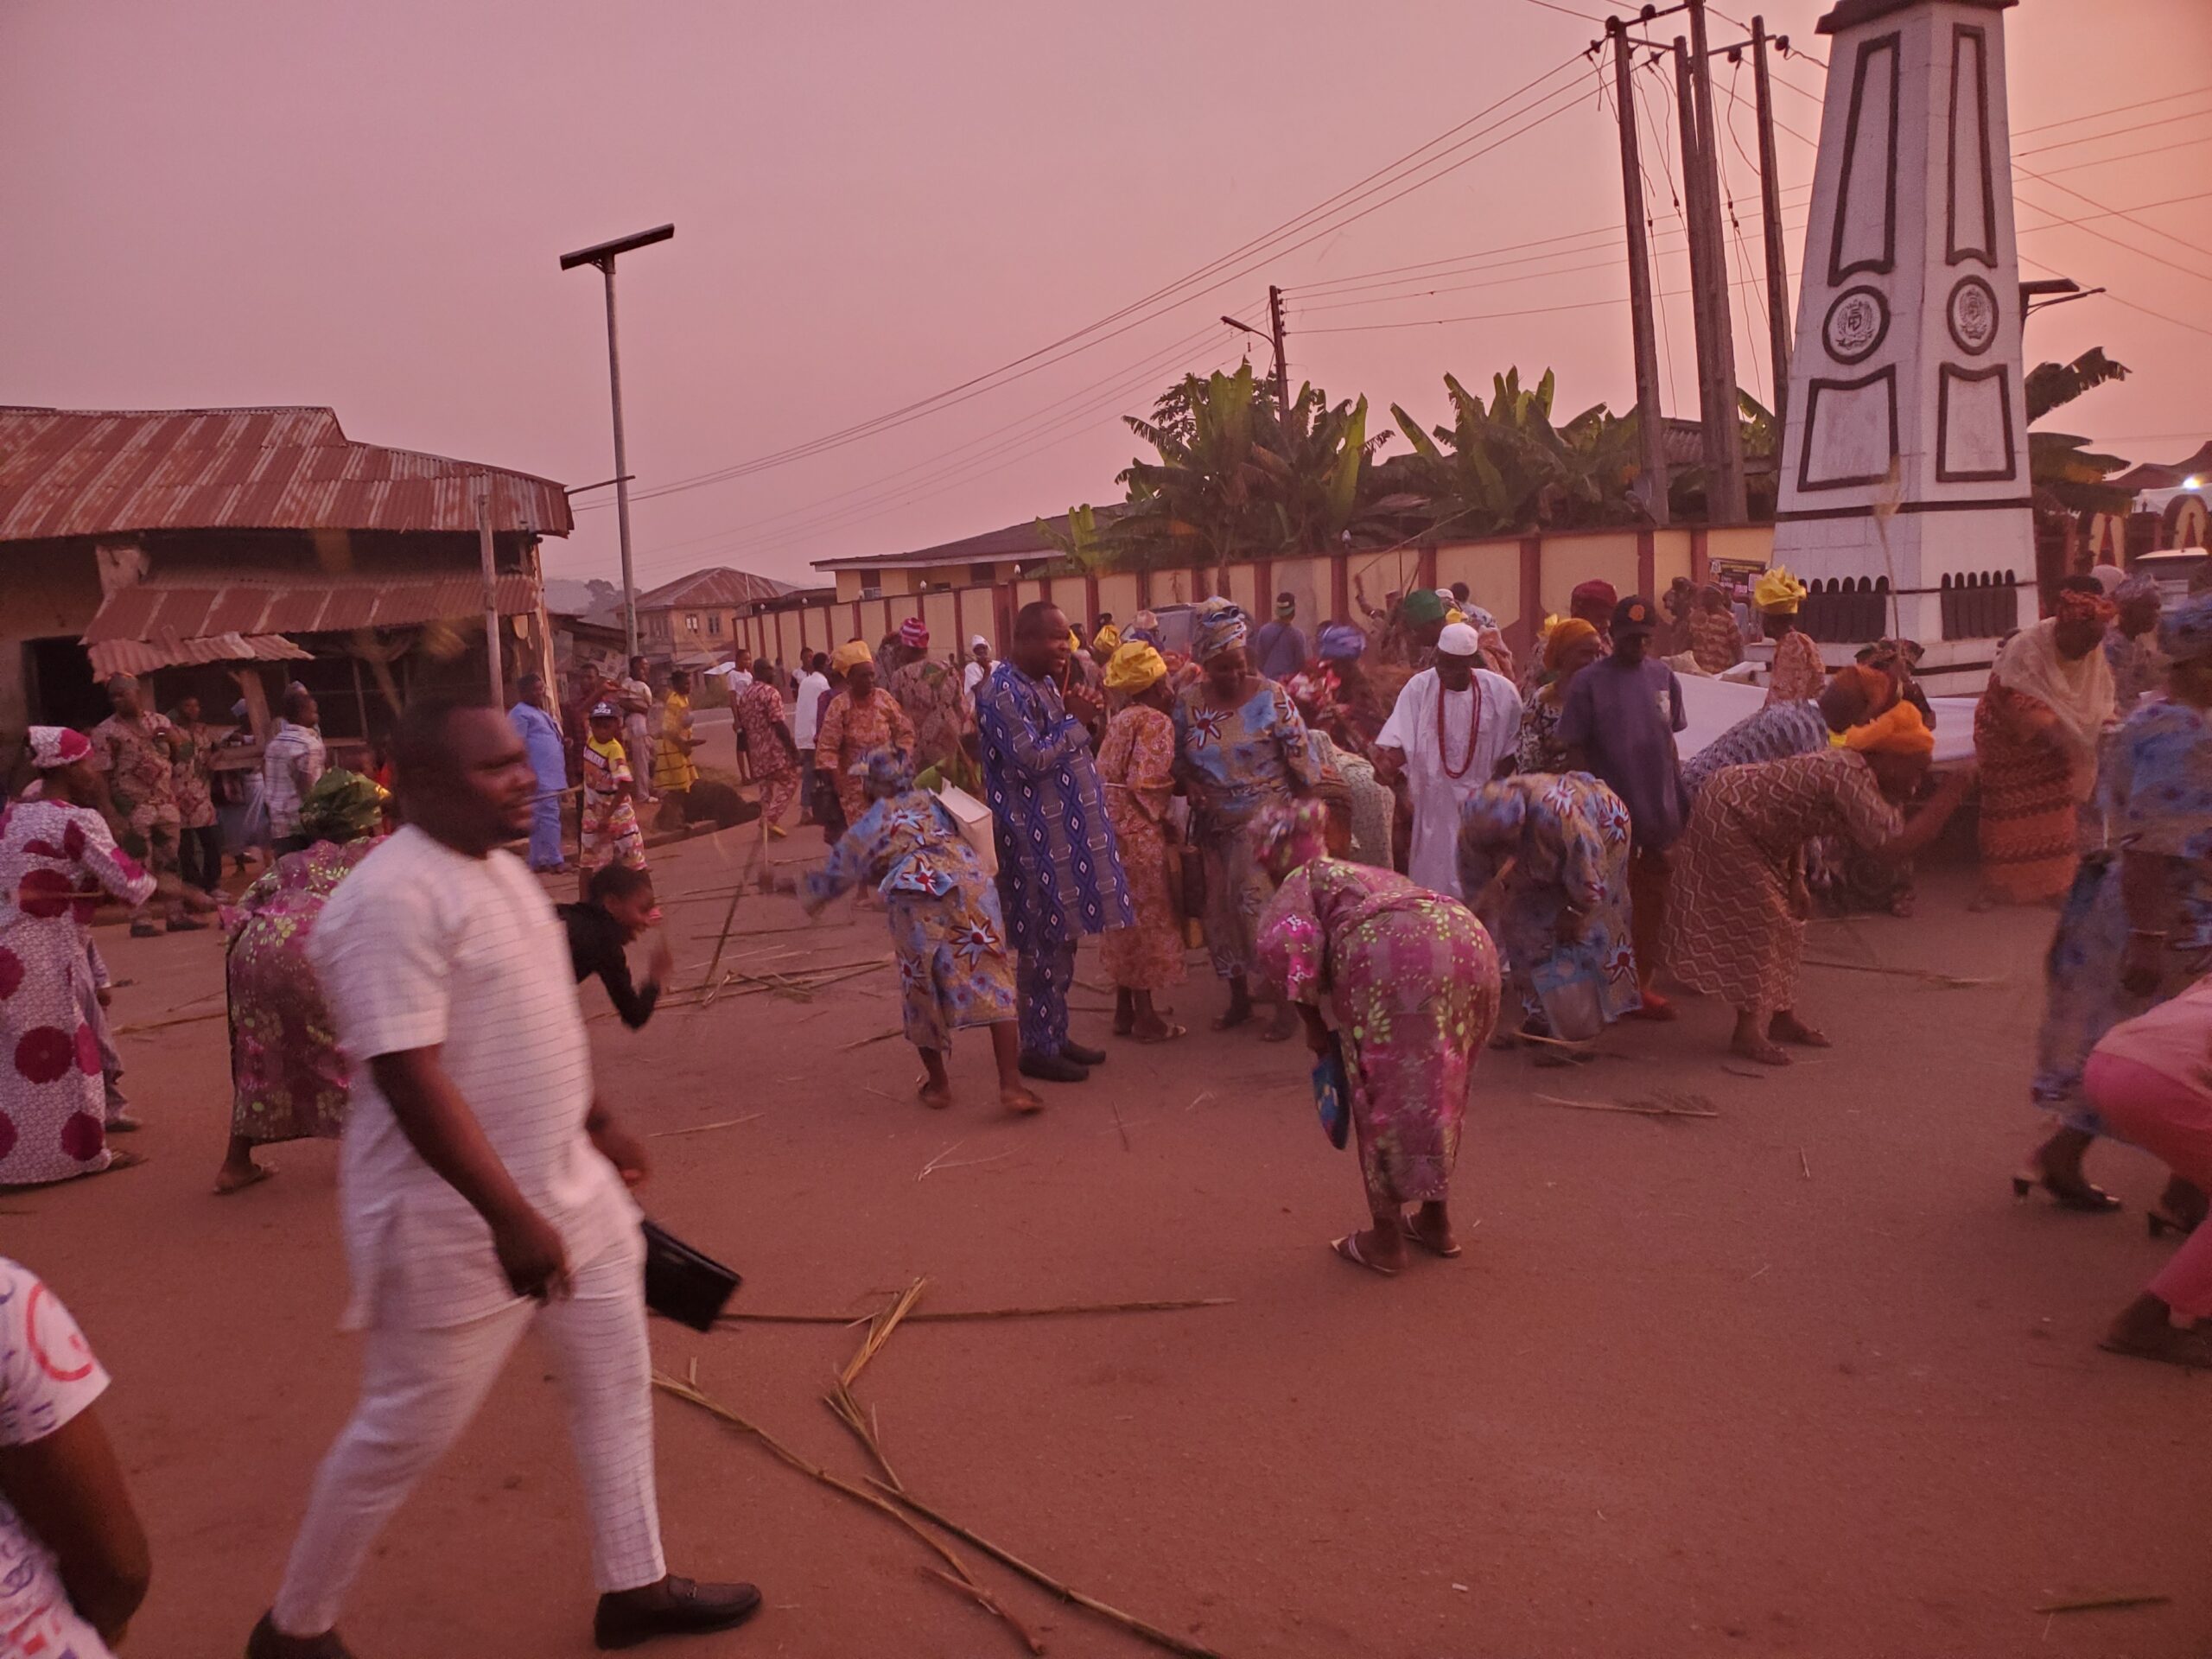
{"x": 1332, "y": 1093}
{"x": 685, "y": 1284}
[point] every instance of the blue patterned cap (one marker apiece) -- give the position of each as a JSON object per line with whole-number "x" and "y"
{"x": 1339, "y": 642}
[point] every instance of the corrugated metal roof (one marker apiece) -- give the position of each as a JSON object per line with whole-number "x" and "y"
{"x": 159, "y": 613}
{"x": 139, "y": 656}
{"x": 107, "y": 472}
{"x": 719, "y": 586}
{"x": 1017, "y": 542}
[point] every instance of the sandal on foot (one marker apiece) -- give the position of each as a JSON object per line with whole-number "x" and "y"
{"x": 1422, "y": 1239}
{"x": 2191, "y": 1349}
{"x": 2089, "y": 1200}
{"x": 1020, "y": 1102}
{"x": 1348, "y": 1247}
{"x": 261, "y": 1172}
{"x": 1168, "y": 1035}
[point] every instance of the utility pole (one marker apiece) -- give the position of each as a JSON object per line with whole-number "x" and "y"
{"x": 491, "y": 591}
{"x": 1651, "y": 433}
{"x": 1725, "y": 501}
{"x": 1282, "y": 370}
{"x": 1781, "y": 326}
{"x": 603, "y": 255}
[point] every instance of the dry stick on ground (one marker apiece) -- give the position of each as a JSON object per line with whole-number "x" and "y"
{"x": 1805, "y": 1163}
{"x": 952, "y": 1315}
{"x": 2098, "y": 1604}
{"x": 701, "y": 1129}
{"x": 1118, "y": 1124}
{"x": 878, "y": 1333}
{"x": 175, "y": 1020}
{"x": 688, "y": 1391}
{"x": 879, "y": 1036}
{"x": 1926, "y": 975}
{"x": 847, "y": 1410}
{"x": 1614, "y": 1106}
{"x": 984, "y": 1599}
{"x": 1129, "y": 1622}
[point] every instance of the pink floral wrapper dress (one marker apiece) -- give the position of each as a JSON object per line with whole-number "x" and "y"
{"x": 56, "y": 863}
{"x": 288, "y": 1078}
{"x": 1413, "y": 980}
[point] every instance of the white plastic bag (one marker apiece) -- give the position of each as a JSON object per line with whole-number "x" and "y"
{"x": 975, "y": 821}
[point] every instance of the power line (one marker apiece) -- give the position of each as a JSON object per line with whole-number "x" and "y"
{"x": 2099, "y": 137}
{"x": 2118, "y": 109}
{"x": 1416, "y": 162}
{"x": 1493, "y": 316}
{"x": 1150, "y": 365}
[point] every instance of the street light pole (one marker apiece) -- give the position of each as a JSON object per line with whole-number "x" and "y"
{"x": 603, "y": 256}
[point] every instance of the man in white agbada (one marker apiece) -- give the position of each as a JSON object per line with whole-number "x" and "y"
{"x": 1451, "y": 726}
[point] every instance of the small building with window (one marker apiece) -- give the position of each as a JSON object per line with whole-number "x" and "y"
{"x": 692, "y": 621}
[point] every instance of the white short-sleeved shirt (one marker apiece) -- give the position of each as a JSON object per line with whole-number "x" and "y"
{"x": 423, "y": 947}
{"x": 47, "y": 1375}
{"x": 806, "y": 718}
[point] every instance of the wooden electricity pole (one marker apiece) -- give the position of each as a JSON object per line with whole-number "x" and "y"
{"x": 1725, "y": 500}
{"x": 1651, "y": 428}
{"x": 491, "y": 573}
{"x": 1282, "y": 372}
{"x": 1781, "y": 326}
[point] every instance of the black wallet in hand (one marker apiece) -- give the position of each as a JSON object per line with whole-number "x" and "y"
{"x": 684, "y": 1284}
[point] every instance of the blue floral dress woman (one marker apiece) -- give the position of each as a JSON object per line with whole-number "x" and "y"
{"x": 2137, "y": 926}
{"x": 954, "y": 968}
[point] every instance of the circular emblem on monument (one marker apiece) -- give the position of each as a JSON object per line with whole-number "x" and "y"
{"x": 1856, "y": 323}
{"x": 1972, "y": 315}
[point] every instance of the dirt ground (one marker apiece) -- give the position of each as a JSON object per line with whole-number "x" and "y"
{"x": 1803, "y": 1379}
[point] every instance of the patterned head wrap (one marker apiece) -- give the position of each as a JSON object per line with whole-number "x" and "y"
{"x": 1143, "y": 630}
{"x": 914, "y": 634}
{"x": 1595, "y": 594}
{"x": 1421, "y": 607}
{"x": 1777, "y": 592}
{"x": 851, "y": 655}
{"x": 1134, "y": 668}
{"x": 55, "y": 747}
{"x": 1340, "y": 642}
{"x": 1287, "y": 834}
{"x": 1564, "y": 631}
{"x": 888, "y": 772}
{"x": 2134, "y": 590}
{"x": 1483, "y": 621}
{"x": 2076, "y": 606}
{"x": 1222, "y": 626}
{"x": 342, "y": 806}
{"x": 1899, "y": 731}
{"x": 2185, "y": 634}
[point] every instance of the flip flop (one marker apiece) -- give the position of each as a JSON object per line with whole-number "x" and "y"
{"x": 1171, "y": 1033}
{"x": 261, "y": 1172}
{"x": 1348, "y": 1247}
{"x": 1407, "y": 1228}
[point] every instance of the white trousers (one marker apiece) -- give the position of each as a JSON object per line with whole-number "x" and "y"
{"x": 419, "y": 1389}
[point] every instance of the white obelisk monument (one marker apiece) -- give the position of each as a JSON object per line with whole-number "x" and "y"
{"x": 1907, "y": 462}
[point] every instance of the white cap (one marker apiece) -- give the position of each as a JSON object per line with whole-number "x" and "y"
{"x": 1458, "y": 639}
{"x": 979, "y": 644}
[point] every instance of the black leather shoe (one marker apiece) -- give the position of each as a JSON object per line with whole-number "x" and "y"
{"x": 681, "y": 1607}
{"x": 1053, "y": 1068}
{"x": 266, "y": 1643}
{"x": 1081, "y": 1055}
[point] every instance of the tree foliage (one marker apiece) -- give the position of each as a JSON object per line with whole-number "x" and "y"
{"x": 2065, "y": 474}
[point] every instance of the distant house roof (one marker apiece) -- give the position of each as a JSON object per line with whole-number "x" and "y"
{"x": 76, "y": 472}
{"x": 2151, "y": 476}
{"x": 720, "y": 586}
{"x": 1016, "y": 543}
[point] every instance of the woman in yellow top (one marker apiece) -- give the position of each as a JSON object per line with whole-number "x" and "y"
{"x": 673, "y": 771}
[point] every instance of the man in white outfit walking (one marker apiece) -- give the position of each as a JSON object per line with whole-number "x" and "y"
{"x": 481, "y": 1191}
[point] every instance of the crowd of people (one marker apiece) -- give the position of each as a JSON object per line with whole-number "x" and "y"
{"x": 1412, "y": 848}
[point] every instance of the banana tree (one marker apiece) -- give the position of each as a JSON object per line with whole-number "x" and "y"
{"x": 2066, "y": 475}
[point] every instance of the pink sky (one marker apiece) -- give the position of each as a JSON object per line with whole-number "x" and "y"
{"x": 238, "y": 202}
